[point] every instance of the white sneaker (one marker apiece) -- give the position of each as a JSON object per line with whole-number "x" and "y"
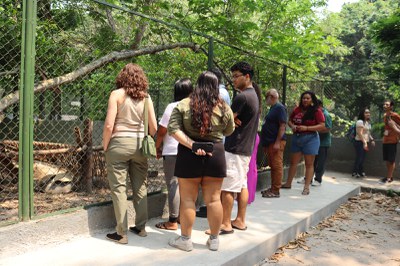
{"x": 316, "y": 184}
{"x": 301, "y": 181}
{"x": 397, "y": 209}
{"x": 185, "y": 245}
{"x": 213, "y": 244}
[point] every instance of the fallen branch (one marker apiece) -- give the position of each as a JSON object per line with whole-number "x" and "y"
{"x": 12, "y": 98}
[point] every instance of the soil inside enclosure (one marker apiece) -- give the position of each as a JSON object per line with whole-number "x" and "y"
{"x": 363, "y": 231}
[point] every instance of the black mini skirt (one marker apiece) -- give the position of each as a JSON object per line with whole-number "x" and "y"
{"x": 190, "y": 165}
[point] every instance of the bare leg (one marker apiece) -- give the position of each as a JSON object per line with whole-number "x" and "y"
{"x": 227, "y": 205}
{"x": 188, "y": 189}
{"x": 294, "y": 161}
{"x": 390, "y": 169}
{"x": 309, "y": 164}
{"x": 242, "y": 199}
{"x": 211, "y": 188}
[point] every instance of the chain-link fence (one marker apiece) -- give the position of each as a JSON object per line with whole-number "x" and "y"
{"x": 10, "y": 57}
{"x": 80, "y": 48}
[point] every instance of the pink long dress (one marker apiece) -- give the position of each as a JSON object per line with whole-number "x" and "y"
{"x": 252, "y": 173}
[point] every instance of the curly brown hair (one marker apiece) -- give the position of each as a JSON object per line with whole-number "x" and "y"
{"x": 133, "y": 79}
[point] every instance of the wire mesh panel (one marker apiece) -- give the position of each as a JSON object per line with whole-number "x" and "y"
{"x": 10, "y": 57}
{"x": 81, "y": 47}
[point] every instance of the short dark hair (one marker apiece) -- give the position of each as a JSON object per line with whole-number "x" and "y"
{"x": 182, "y": 89}
{"x": 389, "y": 101}
{"x": 217, "y": 73}
{"x": 244, "y": 68}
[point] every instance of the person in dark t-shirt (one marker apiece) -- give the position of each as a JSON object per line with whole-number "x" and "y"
{"x": 239, "y": 147}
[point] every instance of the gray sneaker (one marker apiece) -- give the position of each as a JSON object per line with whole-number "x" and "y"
{"x": 316, "y": 184}
{"x": 301, "y": 181}
{"x": 180, "y": 243}
{"x": 213, "y": 244}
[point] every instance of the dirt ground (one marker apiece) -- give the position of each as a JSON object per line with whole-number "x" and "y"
{"x": 363, "y": 231}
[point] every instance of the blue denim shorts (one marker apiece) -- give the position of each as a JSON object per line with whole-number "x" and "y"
{"x": 306, "y": 143}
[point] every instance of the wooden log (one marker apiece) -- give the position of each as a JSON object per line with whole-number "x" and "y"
{"x": 78, "y": 136}
{"x": 47, "y": 152}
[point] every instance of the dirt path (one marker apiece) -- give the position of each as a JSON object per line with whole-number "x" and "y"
{"x": 364, "y": 231}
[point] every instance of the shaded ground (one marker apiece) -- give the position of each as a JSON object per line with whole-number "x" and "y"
{"x": 364, "y": 231}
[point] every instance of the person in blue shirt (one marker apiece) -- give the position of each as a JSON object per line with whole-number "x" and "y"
{"x": 223, "y": 92}
{"x": 273, "y": 140}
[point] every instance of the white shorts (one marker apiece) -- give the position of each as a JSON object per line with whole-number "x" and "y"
{"x": 237, "y": 167}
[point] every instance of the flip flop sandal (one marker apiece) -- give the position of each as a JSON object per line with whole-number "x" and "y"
{"x": 284, "y": 187}
{"x": 221, "y": 232}
{"x": 226, "y": 232}
{"x": 163, "y": 225}
{"x": 238, "y": 228}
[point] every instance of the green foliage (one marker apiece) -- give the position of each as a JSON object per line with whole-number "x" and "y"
{"x": 72, "y": 34}
{"x": 386, "y": 33}
{"x": 359, "y": 59}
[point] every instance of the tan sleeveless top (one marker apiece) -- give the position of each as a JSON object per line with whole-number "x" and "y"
{"x": 129, "y": 120}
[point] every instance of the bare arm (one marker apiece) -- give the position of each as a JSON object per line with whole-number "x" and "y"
{"x": 325, "y": 130}
{"x": 394, "y": 126}
{"x": 281, "y": 132}
{"x": 110, "y": 119}
{"x": 316, "y": 127}
{"x": 359, "y": 132}
{"x": 183, "y": 139}
{"x": 152, "y": 119}
{"x": 162, "y": 131}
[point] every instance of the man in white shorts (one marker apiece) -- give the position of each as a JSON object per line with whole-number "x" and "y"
{"x": 239, "y": 147}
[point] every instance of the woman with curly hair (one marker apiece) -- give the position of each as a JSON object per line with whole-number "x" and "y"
{"x": 122, "y": 139}
{"x": 305, "y": 121}
{"x": 202, "y": 117}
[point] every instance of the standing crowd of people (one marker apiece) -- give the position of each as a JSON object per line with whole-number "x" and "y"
{"x": 206, "y": 142}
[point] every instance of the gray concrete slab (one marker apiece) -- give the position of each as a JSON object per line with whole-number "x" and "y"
{"x": 271, "y": 224}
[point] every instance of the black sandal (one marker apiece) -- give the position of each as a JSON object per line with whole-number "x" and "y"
{"x": 270, "y": 194}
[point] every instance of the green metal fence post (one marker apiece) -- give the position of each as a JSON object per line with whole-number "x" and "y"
{"x": 26, "y": 110}
{"x": 284, "y": 84}
{"x": 210, "y": 63}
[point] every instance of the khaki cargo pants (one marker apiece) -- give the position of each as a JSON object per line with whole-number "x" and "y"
{"x": 124, "y": 158}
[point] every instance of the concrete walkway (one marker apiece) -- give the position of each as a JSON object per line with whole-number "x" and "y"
{"x": 271, "y": 224}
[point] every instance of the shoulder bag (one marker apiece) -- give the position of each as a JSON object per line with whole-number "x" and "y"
{"x": 148, "y": 144}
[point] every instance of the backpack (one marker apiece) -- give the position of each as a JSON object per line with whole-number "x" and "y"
{"x": 351, "y": 133}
